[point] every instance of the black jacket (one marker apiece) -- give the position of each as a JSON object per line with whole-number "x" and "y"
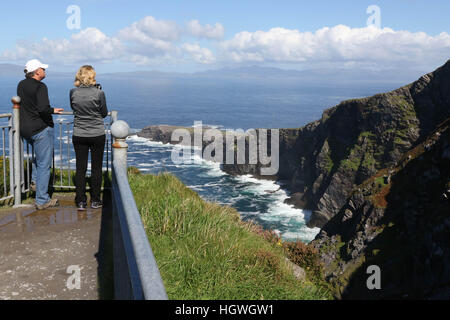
{"x": 35, "y": 110}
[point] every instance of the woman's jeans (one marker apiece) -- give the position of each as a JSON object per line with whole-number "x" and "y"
{"x": 42, "y": 144}
{"x": 82, "y": 145}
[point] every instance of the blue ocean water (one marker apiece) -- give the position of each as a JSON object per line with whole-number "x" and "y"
{"x": 224, "y": 103}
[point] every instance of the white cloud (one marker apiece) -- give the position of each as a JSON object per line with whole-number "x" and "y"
{"x": 199, "y": 54}
{"x": 88, "y": 45}
{"x": 195, "y": 29}
{"x": 150, "y": 38}
{"x": 149, "y": 28}
{"x": 339, "y": 44}
{"x": 151, "y": 32}
{"x": 150, "y": 41}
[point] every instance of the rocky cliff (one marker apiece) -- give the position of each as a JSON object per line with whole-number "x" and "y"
{"x": 399, "y": 220}
{"x": 321, "y": 162}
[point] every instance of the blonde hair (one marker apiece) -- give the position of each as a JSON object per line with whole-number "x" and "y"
{"x": 85, "y": 76}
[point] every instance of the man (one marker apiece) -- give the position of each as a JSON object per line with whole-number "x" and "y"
{"x": 36, "y": 126}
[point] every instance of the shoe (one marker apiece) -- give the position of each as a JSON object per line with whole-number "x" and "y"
{"x": 33, "y": 186}
{"x": 96, "y": 204}
{"x": 51, "y": 203}
{"x": 81, "y": 206}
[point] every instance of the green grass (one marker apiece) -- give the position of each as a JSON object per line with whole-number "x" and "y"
{"x": 367, "y": 134}
{"x": 204, "y": 250}
{"x": 379, "y": 182}
{"x": 56, "y": 175}
{"x": 56, "y": 179}
{"x": 352, "y": 163}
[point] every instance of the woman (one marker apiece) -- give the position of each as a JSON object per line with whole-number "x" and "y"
{"x": 88, "y": 103}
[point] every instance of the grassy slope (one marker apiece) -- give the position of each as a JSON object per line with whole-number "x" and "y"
{"x": 204, "y": 251}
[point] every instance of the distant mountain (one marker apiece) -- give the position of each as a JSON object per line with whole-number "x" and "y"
{"x": 13, "y": 70}
{"x": 252, "y": 71}
{"x": 255, "y": 73}
{"x": 145, "y": 74}
{"x": 322, "y": 76}
{"x": 316, "y": 76}
{"x": 7, "y": 69}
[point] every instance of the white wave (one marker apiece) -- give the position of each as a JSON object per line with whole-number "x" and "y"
{"x": 194, "y": 159}
{"x": 291, "y": 221}
{"x": 65, "y": 139}
{"x": 251, "y": 213}
{"x": 147, "y": 164}
{"x": 135, "y": 138}
{"x": 279, "y": 211}
{"x": 63, "y": 120}
{"x": 258, "y": 186}
{"x": 196, "y": 188}
{"x": 144, "y": 152}
{"x": 147, "y": 142}
{"x": 304, "y": 234}
{"x": 207, "y": 126}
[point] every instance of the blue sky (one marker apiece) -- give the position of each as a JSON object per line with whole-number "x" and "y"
{"x": 197, "y": 35}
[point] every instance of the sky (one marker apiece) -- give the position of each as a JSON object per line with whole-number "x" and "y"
{"x": 197, "y": 35}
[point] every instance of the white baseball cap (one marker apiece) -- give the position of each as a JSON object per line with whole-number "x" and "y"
{"x": 33, "y": 65}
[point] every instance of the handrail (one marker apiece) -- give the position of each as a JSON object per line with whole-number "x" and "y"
{"x": 136, "y": 274}
{"x": 68, "y": 113}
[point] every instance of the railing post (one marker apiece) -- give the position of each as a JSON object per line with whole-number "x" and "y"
{"x": 120, "y": 131}
{"x": 16, "y": 151}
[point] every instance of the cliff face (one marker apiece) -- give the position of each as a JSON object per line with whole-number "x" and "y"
{"x": 399, "y": 220}
{"x": 322, "y": 161}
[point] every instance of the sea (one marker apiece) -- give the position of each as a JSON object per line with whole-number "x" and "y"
{"x": 223, "y": 103}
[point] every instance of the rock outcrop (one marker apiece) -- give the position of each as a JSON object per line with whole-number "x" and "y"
{"x": 161, "y": 133}
{"x": 322, "y": 161}
{"x": 399, "y": 220}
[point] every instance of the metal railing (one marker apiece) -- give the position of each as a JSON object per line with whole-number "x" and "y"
{"x": 63, "y": 167}
{"x": 26, "y": 155}
{"x": 6, "y": 157}
{"x": 136, "y": 273}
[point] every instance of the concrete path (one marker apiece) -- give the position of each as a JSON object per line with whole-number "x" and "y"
{"x": 42, "y": 252}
